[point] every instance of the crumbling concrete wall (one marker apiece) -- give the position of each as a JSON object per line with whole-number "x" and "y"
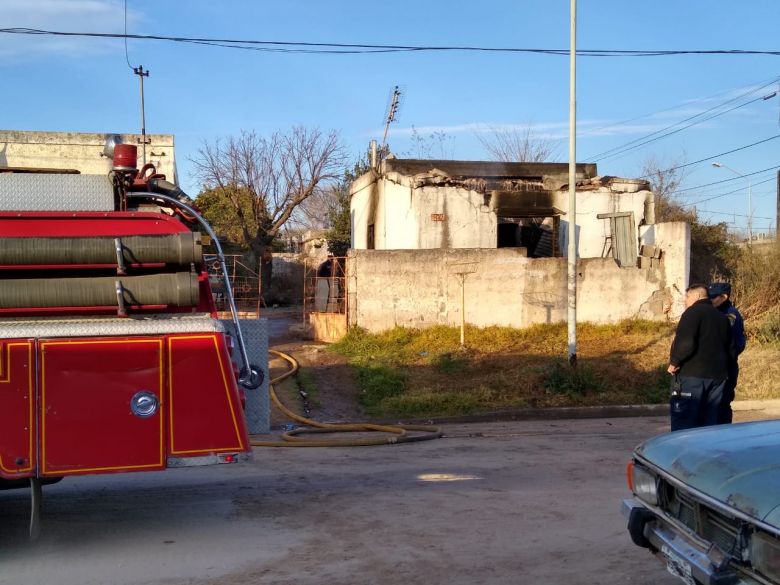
{"x": 605, "y": 196}
{"x": 405, "y": 216}
{"x": 417, "y": 212}
{"x": 421, "y": 288}
{"x": 82, "y": 151}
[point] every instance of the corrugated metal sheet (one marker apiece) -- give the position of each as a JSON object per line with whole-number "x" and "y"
{"x": 625, "y": 240}
{"x": 623, "y": 237}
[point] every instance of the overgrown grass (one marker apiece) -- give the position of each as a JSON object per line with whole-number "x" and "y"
{"x": 378, "y": 384}
{"x": 421, "y": 373}
{"x": 306, "y": 383}
{"x": 579, "y": 381}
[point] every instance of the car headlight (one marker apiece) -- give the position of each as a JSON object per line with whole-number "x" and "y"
{"x": 643, "y": 484}
{"x": 765, "y": 555}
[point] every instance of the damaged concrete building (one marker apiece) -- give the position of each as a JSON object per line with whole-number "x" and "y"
{"x": 416, "y": 224}
{"x": 422, "y": 204}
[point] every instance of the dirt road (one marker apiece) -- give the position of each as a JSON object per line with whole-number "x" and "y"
{"x": 501, "y": 503}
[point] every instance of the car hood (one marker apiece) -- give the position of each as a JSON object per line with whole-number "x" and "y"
{"x": 738, "y": 464}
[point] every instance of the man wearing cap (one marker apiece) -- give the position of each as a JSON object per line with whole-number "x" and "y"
{"x": 699, "y": 362}
{"x": 720, "y": 295}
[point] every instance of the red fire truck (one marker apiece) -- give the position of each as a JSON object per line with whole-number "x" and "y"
{"x": 112, "y": 358}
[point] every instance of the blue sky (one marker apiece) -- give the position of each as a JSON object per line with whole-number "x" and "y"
{"x": 201, "y": 93}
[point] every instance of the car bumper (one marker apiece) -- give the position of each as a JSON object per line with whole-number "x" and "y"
{"x": 683, "y": 557}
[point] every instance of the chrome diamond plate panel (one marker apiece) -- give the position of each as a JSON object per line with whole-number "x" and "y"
{"x": 55, "y": 192}
{"x": 258, "y": 410}
{"x": 107, "y": 326}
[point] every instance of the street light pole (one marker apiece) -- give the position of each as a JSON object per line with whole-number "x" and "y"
{"x": 750, "y": 197}
{"x": 571, "y": 253}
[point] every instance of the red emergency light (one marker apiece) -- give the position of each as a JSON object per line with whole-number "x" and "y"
{"x": 125, "y": 157}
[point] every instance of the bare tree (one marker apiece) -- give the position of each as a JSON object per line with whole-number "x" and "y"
{"x": 664, "y": 180}
{"x": 518, "y": 145}
{"x": 261, "y": 182}
{"x": 436, "y": 145}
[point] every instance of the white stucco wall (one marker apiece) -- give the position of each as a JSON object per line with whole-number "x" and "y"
{"x": 80, "y": 150}
{"x": 674, "y": 239}
{"x": 592, "y": 232}
{"x": 403, "y": 215}
{"x": 420, "y": 288}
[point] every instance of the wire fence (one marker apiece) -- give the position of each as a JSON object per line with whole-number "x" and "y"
{"x": 244, "y": 281}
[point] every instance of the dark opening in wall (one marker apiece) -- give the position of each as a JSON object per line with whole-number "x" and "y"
{"x": 539, "y": 235}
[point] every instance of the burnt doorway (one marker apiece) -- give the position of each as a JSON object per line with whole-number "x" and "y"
{"x": 537, "y": 234}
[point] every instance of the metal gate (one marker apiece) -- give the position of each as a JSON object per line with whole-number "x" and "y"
{"x": 245, "y": 282}
{"x": 325, "y": 298}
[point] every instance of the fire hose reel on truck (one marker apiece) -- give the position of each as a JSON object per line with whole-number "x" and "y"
{"x": 112, "y": 308}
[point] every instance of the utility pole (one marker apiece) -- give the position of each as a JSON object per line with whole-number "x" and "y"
{"x": 139, "y": 71}
{"x": 777, "y": 217}
{"x": 572, "y": 213}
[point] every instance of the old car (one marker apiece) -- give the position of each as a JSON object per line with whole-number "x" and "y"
{"x": 706, "y": 502}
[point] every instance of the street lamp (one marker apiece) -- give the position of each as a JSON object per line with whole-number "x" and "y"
{"x": 750, "y": 197}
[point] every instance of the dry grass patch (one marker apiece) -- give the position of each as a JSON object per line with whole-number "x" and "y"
{"x": 419, "y": 373}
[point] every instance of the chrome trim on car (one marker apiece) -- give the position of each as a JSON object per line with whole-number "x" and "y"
{"x": 690, "y": 559}
{"x": 709, "y": 500}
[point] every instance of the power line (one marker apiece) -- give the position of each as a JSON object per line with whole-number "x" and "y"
{"x": 728, "y": 213}
{"x": 692, "y": 203}
{"x": 127, "y": 57}
{"x": 342, "y": 48}
{"x": 727, "y": 180}
{"x": 720, "y": 154}
{"x": 658, "y": 134}
{"x": 684, "y": 104}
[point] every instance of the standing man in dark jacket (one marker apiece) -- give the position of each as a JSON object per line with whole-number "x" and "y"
{"x": 699, "y": 362}
{"x": 720, "y": 295}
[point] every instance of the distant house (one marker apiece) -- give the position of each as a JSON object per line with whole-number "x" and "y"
{"x": 432, "y": 204}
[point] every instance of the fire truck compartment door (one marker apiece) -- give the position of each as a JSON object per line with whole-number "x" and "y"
{"x": 17, "y": 399}
{"x": 101, "y": 405}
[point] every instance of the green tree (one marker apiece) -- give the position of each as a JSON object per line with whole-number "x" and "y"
{"x": 217, "y": 206}
{"x": 253, "y": 185}
{"x": 339, "y": 235}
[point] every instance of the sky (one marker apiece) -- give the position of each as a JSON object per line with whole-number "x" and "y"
{"x": 449, "y": 100}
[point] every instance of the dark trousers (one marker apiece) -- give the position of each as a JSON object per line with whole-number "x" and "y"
{"x": 696, "y": 402}
{"x": 729, "y": 392}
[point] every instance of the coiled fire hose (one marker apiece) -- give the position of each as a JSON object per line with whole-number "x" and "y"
{"x": 393, "y": 433}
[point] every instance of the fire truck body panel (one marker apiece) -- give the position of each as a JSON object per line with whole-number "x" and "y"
{"x": 84, "y": 389}
{"x": 112, "y": 358}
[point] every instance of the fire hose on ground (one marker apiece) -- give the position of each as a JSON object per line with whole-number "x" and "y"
{"x": 392, "y": 434}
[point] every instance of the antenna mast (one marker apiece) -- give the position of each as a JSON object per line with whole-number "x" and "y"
{"x": 141, "y": 73}
{"x": 392, "y": 110}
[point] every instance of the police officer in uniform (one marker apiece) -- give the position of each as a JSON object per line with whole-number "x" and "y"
{"x": 720, "y": 295}
{"x": 699, "y": 362}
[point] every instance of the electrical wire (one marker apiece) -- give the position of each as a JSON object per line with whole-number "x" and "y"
{"x": 127, "y": 57}
{"x": 719, "y": 196}
{"x": 701, "y": 160}
{"x": 730, "y": 214}
{"x": 684, "y": 104}
{"x": 659, "y": 134}
{"x": 331, "y": 48}
{"x": 726, "y": 180}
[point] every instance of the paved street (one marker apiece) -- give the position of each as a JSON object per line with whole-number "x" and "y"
{"x": 499, "y": 503}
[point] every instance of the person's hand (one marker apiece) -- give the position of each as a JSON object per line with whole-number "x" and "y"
{"x": 673, "y": 369}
